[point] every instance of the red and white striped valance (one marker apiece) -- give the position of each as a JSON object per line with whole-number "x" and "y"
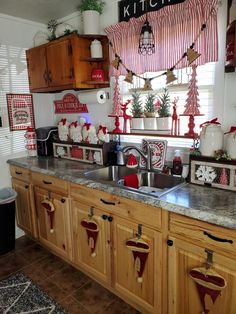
{"x": 175, "y": 28}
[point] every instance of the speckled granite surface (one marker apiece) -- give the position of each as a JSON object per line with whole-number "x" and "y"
{"x": 207, "y": 204}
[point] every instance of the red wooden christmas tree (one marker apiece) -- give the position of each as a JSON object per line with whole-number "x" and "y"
{"x": 192, "y": 105}
{"x": 116, "y": 111}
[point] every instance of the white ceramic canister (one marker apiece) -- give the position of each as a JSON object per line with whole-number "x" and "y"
{"x": 230, "y": 146}
{"x": 211, "y": 139}
{"x": 96, "y": 49}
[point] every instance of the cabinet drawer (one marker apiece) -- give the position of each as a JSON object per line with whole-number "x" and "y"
{"x": 20, "y": 173}
{"x": 50, "y": 183}
{"x": 207, "y": 234}
{"x": 123, "y": 207}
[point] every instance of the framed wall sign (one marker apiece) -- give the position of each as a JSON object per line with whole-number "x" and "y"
{"x": 20, "y": 111}
{"x": 136, "y": 8}
{"x": 69, "y": 104}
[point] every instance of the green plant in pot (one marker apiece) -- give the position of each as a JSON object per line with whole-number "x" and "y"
{"x": 149, "y": 109}
{"x": 91, "y": 10}
{"x": 164, "y": 120}
{"x": 150, "y": 112}
{"x": 137, "y": 111}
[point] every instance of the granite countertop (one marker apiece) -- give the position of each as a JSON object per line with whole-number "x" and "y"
{"x": 204, "y": 203}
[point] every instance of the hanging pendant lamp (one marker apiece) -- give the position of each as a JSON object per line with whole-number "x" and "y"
{"x": 146, "y": 38}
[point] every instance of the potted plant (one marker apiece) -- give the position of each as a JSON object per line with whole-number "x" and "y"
{"x": 150, "y": 112}
{"x": 137, "y": 111}
{"x": 164, "y": 120}
{"x": 91, "y": 10}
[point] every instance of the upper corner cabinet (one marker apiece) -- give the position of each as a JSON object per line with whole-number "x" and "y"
{"x": 66, "y": 63}
{"x": 230, "y": 62}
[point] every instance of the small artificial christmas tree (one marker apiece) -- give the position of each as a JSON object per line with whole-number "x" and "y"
{"x": 149, "y": 108}
{"x": 137, "y": 107}
{"x": 116, "y": 111}
{"x": 164, "y": 108}
{"x": 192, "y": 105}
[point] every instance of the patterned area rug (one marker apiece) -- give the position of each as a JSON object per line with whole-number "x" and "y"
{"x": 19, "y": 295}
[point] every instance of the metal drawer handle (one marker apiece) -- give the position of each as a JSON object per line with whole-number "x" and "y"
{"x": 16, "y": 172}
{"x": 212, "y": 237}
{"x": 107, "y": 203}
{"x": 47, "y": 182}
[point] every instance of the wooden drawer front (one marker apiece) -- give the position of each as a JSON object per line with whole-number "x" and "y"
{"x": 20, "y": 173}
{"x": 50, "y": 183}
{"x": 120, "y": 206}
{"x": 206, "y": 233}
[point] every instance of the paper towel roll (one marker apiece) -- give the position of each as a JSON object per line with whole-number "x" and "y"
{"x": 93, "y": 97}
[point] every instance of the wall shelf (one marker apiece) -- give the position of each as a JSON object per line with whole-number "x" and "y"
{"x": 89, "y": 59}
{"x": 96, "y": 82}
{"x": 154, "y": 135}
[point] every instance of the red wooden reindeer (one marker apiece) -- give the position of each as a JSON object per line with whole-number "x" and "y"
{"x": 175, "y": 119}
{"x": 126, "y": 117}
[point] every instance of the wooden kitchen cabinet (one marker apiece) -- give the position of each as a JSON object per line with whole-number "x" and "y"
{"x": 65, "y": 63}
{"x": 91, "y": 246}
{"x": 54, "y": 230}
{"x": 183, "y": 293}
{"x": 187, "y": 249}
{"x": 25, "y": 209}
{"x": 146, "y": 289}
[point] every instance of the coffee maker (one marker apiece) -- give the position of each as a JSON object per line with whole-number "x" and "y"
{"x": 45, "y": 137}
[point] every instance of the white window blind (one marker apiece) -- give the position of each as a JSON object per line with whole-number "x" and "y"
{"x": 179, "y": 88}
{"x": 13, "y": 79}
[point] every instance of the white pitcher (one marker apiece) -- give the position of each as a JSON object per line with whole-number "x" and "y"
{"x": 231, "y": 144}
{"x": 211, "y": 139}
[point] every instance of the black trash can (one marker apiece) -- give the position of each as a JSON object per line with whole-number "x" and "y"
{"x": 7, "y": 220}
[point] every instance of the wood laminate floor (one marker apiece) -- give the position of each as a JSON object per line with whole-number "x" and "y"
{"x": 76, "y": 292}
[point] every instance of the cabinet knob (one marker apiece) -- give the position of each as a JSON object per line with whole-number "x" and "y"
{"x": 63, "y": 200}
{"x": 26, "y": 186}
{"x": 110, "y": 218}
{"x": 170, "y": 242}
{"x": 104, "y": 217}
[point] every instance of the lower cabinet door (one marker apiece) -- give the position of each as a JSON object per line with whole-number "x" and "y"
{"x": 137, "y": 264}
{"x": 25, "y": 210}
{"x": 91, "y": 230}
{"x": 54, "y": 221}
{"x": 185, "y": 296}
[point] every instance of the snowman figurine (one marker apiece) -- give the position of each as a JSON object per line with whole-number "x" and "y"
{"x": 75, "y": 132}
{"x": 102, "y": 135}
{"x": 63, "y": 130}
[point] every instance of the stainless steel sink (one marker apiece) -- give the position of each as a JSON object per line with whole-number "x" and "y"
{"x": 151, "y": 183}
{"x": 111, "y": 173}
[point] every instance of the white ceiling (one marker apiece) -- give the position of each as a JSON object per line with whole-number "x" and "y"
{"x": 38, "y": 10}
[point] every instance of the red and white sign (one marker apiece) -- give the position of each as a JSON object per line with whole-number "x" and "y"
{"x": 69, "y": 104}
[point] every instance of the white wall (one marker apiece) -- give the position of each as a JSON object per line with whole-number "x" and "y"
{"x": 20, "y": 33}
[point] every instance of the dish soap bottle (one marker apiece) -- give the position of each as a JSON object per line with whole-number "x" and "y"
{"x": 177, "y": 163}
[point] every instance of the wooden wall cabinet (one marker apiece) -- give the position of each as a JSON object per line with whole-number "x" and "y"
{"x": 65, "y": 63}
{"x": 230, "y": 58}
{"x": 25, "y": 209}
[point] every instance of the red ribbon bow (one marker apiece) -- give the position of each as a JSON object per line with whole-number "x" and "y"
{"x": 63, "y": 121}
{"x": 103, "y": 128}
{"x": 213, "y": 121}
{"x": 75, "y": 124}
{"x": 87, "y": 125}
{"x": 232, "y": 130}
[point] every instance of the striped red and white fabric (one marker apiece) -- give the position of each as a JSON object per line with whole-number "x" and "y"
{"x": 175, "y": 28}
